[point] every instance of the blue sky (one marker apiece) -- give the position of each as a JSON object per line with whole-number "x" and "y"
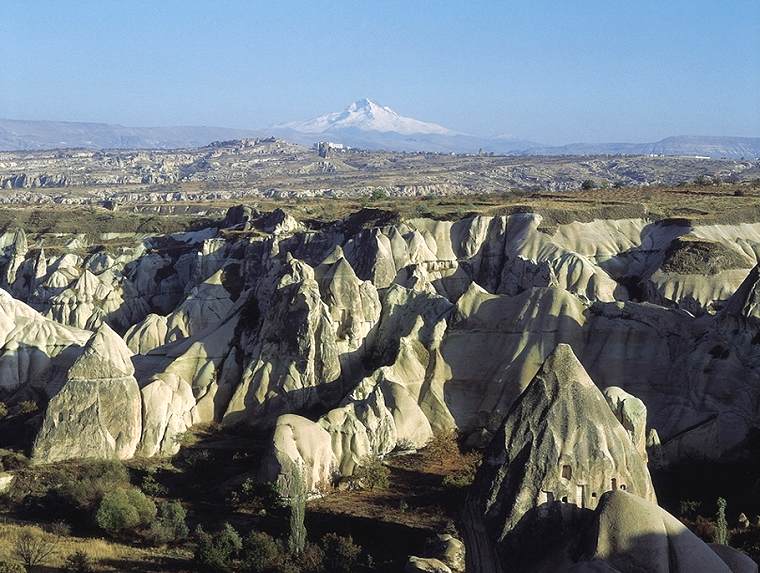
{"x": 554, "y": 72}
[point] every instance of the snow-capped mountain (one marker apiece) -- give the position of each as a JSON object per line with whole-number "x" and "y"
{"x": 367, "y": 115}
{"x": 368, "y": 125}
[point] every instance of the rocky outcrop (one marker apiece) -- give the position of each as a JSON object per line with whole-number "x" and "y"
{"x": 630, "y": 534}
{"x": 559, "y": 450}
{"x": 291, "y": 354}
{"x": 204, "y": 306}
{"x": 34, "y": 351}
{"x": 425, "y": 565}
{"x": 96, "y": 414}
{"x": 632, "y": 414}
{"x": 300, "y": 446}
{"x": 386, "y": 330}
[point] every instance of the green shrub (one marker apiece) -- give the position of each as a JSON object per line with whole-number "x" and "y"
{"x": 152, "y": 487}
{"x": 218, "y": 551}
{"x": 372, "y": 473}
{"x": 11, "y": 567}
{"x": 84, "y": 485}
{"x": 78, "y": 562}
{"x": 341, "y": 553}
{"x": 261, "y": 553}
{"x": 10, "y": 460}
{"x": 170, "y": 524}
{"x": 125, "y": 509}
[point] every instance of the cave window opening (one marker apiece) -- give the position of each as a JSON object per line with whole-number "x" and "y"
{"x": 567, "y": 472}
{"x": 614, "y": 484}
{"x": 622, "y": 486}
{"x": 564, "y": 499}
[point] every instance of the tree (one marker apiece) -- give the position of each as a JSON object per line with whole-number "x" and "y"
{"x": 261, "y": 553}
{"x": 170, "y": 524}
{"x": 298, "y": 493}
{"x": 216, "y": 552}
{"x": 341, "y": 553}
{"x": 34, "y": 548}
{"x": 442, "y": 448}
{"x": 721, "y": 524}
{"x": 125, "y": 509}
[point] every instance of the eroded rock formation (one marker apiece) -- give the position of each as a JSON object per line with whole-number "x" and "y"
{"x": 560, "y": 448}
{"x": 384, "y": 331}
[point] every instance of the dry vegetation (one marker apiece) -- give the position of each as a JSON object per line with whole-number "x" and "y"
{"x": 106, "y": 555}
{"x": 705, "y": 203}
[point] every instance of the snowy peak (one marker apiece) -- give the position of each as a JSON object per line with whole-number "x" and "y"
{"x": 367, "y": 115}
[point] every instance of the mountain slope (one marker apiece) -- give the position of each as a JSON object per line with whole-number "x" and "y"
{"x": 690, "y": 145}
{"x": 29, "y": 135}
{"x": 366, "y": 124}
{"x": 367, "y": 115}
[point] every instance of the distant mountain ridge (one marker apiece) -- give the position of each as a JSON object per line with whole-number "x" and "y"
{"x": 689, "y": 145}
{"x": 364, "y": 124}
{"x": 35, "y": 135}
{"x": 366, "y": 115}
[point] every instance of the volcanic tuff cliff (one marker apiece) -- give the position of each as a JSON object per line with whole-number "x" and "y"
{"x": 563, "y": 488}
{"x": 364, "y": 335}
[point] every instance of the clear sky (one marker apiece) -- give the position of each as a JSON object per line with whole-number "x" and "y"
{"x": 554, "y": 72}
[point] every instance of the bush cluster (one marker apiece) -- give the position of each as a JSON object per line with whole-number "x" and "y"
{"x": 259, "y": 552}
{"x": 371, "y": 473}
{"x": 125, "y": 510}
{"x": 170, "y": 524}
{"x": 78, "y": 562}
{"x": 218, "y": 551}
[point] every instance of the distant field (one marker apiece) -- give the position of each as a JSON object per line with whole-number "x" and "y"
{"x": 704, "y": 203}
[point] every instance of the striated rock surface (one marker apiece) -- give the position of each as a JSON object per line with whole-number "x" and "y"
{"x": 97, "y": 413}
{"x": 632, "y": 414}
{"x": 299, "y": 443}
{"x": 559, "y": 450}
{"x": 632, "y": 534}
{"x": 386, "y": 330}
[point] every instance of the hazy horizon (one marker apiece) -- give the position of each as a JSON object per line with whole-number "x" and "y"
{"x": 548, "y": 72}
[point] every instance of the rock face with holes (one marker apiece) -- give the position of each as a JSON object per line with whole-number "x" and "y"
{"x": 560, "y": 448}
{"x": 629, "y": 533}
